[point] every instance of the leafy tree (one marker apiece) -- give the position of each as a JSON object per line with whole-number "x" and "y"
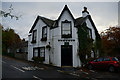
{"x": 111, "y": 41}
{"x": 10, "y": 40}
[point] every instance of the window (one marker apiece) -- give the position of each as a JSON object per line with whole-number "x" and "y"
{"x": 89, "y": 33}
{"x": 100, "y": 59}
{"x": 114, "y": 59}
{"x": 39, "y": 52}
{"x": 34, "y": 36}
{"x": 44, "y": 33}
{"x": 35, "y": 52}
{"x": 66, "y": 29}
{"x": 42, "y": 52}
{"x": 107, "y": 59}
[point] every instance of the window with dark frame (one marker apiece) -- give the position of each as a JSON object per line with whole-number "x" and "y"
{"x": 34, "y": 38}
{"x": 89, "y": 33}
{"x": 42, "y": 52}
{"x": 35, "y": 52}
{"x": 44, "y": 33}
{"x": 39, "y": 52}
{"x": 66, "y": 29}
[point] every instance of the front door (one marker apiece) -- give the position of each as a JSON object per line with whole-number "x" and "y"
{"x": 66, "y": 55}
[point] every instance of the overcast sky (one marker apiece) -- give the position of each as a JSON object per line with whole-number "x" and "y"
{"x": 104, "y": 14}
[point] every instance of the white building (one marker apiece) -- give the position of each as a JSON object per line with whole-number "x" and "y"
{"x": 57, "y": 40}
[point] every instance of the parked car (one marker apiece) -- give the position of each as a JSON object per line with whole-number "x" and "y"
{"x": 118, "y": 58}
{"x": 110, "y": 63}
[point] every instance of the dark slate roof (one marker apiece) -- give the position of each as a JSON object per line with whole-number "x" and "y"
{"x": 47, "y": 21}
{"x": 96, "y": 31}
{"x": 79, "y": 21}
{"x": 54, "y": 23}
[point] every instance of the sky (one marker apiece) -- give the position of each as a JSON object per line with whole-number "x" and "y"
{"x": 104, "y": 14}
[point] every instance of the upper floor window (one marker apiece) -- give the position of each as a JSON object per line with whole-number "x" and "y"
{"x": 89, "y": 33}
{"x": 34, "y": 37}
{"x": 44, "y": 33}
{"x": 66, "y": 29}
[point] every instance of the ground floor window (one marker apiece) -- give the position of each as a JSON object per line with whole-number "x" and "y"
{"x": 35, "y": 52}
{"x": 39, "y": 52}
{"x": 42, "y": 52}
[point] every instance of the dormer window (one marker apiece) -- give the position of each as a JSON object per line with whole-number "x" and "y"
{"x": 66, "y": 29}
{"x": 44, "y": 33}
{"x": 34, "y": 37}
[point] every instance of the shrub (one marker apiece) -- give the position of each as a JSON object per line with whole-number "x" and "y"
{"x": 38, "y": 59}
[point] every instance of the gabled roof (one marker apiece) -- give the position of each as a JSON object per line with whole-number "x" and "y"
{"x": 79, "y": 21}
{"x": 34, "y": 24}
{"x": 96, "y": 31}
{"x": 54, "y": 23}
{"x": 65, "y": 8}
{"x": 47, "y": 21}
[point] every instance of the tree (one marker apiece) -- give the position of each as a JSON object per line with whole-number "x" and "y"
{"x": 111, "y": 41}
{"x": 10, "y": 40}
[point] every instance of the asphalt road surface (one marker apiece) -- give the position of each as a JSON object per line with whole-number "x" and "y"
{"x": 13, "y": 69}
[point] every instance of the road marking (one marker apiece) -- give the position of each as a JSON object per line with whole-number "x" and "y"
{"x": 85, "y": 72}
{"x": 17, "y": 68}
{"x": 60, "y": 71}
{"x": 37, "y": 77}
{"x": 81, "y": 70}
{"x": 74, "y": 74}
{"x": 92, "y": 71}
{"x": 3, "y": 62}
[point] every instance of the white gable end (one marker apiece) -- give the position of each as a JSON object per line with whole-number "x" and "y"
{"x": 89, "y": 25}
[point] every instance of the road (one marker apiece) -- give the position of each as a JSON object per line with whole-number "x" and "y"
{"x": 13, "y": 69}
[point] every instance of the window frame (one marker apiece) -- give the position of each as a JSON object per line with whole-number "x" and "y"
{"x": 33, "y": 36}
{"x": 63, "y": 35}
{"x": 44, "y": 38}
{"x": 89, "y": 33}
{"x": 34, "y": 50}
{"x": 38, "y": 48}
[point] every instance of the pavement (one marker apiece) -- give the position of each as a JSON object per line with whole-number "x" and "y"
{"x": 20, "y": 69}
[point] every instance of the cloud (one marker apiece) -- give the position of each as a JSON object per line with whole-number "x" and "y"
{"x": 103, "y": 14}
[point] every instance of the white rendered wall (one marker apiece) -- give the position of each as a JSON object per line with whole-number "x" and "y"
{"x": 91, "y": 27}
{"x": 56, "y": 33}
{"x": 39, "y": 43}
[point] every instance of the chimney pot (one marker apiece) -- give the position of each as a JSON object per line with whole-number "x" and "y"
{"x": 85, "y": 12}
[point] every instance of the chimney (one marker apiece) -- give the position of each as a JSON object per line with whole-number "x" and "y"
{"x": 85, "y": 12}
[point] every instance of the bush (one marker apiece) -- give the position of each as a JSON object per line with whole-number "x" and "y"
{"x": 90, "y": 59}
{"x": 8, "y": 54}
{"x": 38, "y": 59}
